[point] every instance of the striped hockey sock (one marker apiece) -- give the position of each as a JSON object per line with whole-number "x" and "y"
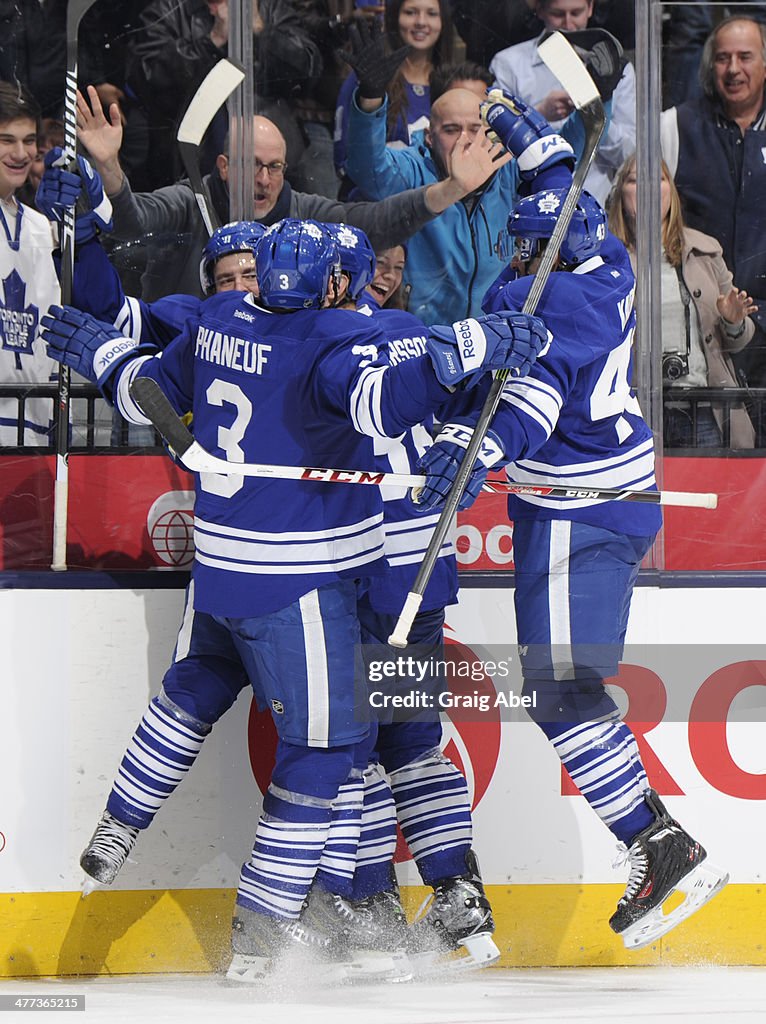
{"x": 162, "y": 750}
{"x": 289, "y": 840}
{"x": 603, "y": 759}
{"x": 434, "y": 814}
{"x": 338, "y": 861}
{"x": 377, "y": 841}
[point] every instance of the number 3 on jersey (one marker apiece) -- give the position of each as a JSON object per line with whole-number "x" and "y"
{"x": 219, "y": 393}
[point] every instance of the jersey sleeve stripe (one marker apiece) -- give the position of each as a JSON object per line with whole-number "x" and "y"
{"x": 122, "y": 399}
{"x": 201, "y": 525}
{"x": 365, "y": 404}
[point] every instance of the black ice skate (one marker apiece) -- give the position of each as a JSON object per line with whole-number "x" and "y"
{"x": 372, "y": 951}
{"x": 260, "y": 942}
{"x": 386, "y": 910}
{"x": 663, "y": 858}
{"x": 106, "y": 852}
{"x": 457, "y": 918}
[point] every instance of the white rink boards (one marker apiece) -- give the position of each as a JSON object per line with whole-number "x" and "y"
{"x": 80, "y": 666}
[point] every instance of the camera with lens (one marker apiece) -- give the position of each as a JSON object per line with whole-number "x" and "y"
{"x": 675, "y": 365}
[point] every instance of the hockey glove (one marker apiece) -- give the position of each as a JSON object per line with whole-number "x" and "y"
{"x": 60, "y": 188}
{"x": 525, "y": 133}
{"x": 602, "y": 55}
{"x": 367, "y": 56}
{"x": 497, "y": 341}
{"x": 442, "y": 461}
{"x": 88, "y": 346}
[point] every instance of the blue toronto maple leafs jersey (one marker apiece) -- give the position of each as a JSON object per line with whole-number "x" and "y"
{"x": 575, "y": 421}
{"x": 407, "y": 533}
{"x": 287, "y": 389}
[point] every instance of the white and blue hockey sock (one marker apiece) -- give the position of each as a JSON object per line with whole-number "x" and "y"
{"x": 289, "y": 840}
{"x": 161, "y": 751}
{"x": 434, "y": 814}
{"x": 338, "y": 861}
{"x": 603, "y": 760}
{"x": 377, "y": 841}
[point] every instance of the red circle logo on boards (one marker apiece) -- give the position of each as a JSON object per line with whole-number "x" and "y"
{"x": 473, "y": 745}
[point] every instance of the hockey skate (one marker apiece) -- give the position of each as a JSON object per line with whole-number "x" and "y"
{"x": 372, "y": 950}
{"x": 457, "y": 918}
{"x": 663, "y": 859}
{"x": 260, "y": 943}
{"x": 106, "y": 852}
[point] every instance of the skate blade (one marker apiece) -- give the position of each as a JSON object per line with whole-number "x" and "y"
{"x": 89, "y": 885}
{"x": 700, "y": 885}
{"x": 475, "y": 951}
{"x": 246, "y": 969}
{"x": 370, "y": 966}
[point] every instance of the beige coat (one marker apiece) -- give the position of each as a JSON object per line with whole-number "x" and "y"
{"x": 707, "y": 276}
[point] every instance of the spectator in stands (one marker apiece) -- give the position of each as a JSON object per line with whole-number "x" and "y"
{"x": 28, "y": 282}
{"x": 704, "y": 318}
{"x": 180, "y": 40}
{"x": 172, "y": 211}
{"x": 488, "y": 26}
{"x": 418, "y": 39}
{"x": 521, "y": 71}
{"x": 327, "y": 23}
{"x": 51, "y": 134}
{"x": 685, "y": 28}
{"x": 386, "y": 287}
{"x": 714, "y": 148}
{"x": 466, "y": 75}
{"x": 451, "y": 262}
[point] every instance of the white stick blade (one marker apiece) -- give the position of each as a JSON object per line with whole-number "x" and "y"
{"x": 562, "y": 60}
{"x": 220, "y": 82}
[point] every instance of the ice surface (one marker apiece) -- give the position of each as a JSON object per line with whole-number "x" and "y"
{"x": 615, "y": 994}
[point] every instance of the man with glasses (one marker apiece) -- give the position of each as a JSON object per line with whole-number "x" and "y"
{"x": 170, "y": 214}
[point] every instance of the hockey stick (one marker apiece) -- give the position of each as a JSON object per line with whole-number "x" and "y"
{"x": 562, "y": 60}
{"x": 76, "y": 9}
{"x": 154, "y": 404}
{"x": 219, "y": 83}
{"x": 149, "y": 396}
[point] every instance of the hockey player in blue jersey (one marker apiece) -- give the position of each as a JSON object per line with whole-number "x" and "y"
{"x": 430, "y": 794}
{"x": 277, "y": 561}
{"x": 575, "y": 421}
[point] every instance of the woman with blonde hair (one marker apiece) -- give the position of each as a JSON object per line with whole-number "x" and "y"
{"x": 704, "y": 317}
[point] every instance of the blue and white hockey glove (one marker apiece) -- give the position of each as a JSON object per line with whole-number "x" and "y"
{"x": 525, "y": 133}
{"x": 87, "y": 345}
{"x": 442, "y": 461}
{"x": 59, "y": 188}
{"x": 497, "y": 341}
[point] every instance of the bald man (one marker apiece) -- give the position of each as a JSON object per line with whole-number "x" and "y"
{"x": 451, "y": 261}
{"x": 170, "y": 219}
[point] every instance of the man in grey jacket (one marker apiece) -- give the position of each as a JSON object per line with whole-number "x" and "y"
{"x": 170, "y": 218}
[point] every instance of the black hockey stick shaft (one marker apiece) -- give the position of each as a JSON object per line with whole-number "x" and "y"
{"x": 219, "y": 83}
{"x": 76, "y": 9}
{"x": 594, "y": 119}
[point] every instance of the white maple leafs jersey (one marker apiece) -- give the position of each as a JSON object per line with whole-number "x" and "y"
{"x": 28, "y": 285}
{"x": 575, "y": 421}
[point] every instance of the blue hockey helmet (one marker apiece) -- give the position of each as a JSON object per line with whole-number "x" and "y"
{"x": 357, "y": 257}
{"x": 534, "y": 218}
{"x": 238, "y": 236}
{"x": 294, "y": 262}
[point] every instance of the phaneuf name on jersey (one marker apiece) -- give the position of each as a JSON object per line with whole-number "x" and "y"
{"x": 406, "y": 348}
{"x": 228, "y": 350}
